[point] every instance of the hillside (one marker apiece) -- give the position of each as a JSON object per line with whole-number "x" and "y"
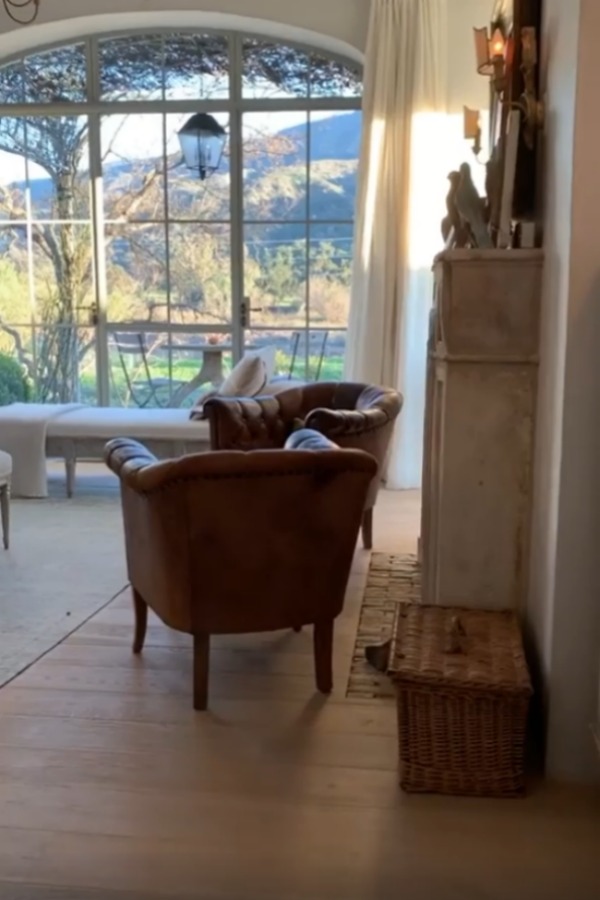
{"x": 274, "y": 183}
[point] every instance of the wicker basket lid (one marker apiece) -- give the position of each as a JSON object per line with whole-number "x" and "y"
{"x": 460, "y": 648}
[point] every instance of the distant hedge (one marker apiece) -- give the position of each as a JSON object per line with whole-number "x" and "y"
{"x": 14, "y": 387}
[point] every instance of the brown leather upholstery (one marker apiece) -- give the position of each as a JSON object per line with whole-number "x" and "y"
{"x": 230, "y": 542}
{"x": 355, "y": 416}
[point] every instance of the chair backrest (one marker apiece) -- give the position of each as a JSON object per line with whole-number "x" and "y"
{"x": 353, "y": 415}
{"x": 315, "y": 343}
{"x": 143, "y": 389}
{"x": 232, "y": 542}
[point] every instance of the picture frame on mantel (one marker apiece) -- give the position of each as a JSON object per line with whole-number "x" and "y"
{"x": 504, "y": 238}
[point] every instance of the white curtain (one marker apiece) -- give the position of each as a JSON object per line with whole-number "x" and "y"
{"x": 401, "y": 190}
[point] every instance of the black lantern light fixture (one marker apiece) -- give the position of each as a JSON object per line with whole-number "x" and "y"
{"x": 202, "y": 142}
{"x": 23, "y": 12}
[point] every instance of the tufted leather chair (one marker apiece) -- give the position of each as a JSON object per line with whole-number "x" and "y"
{"x": 229, "y": 542}
{"x": 355, "y": 416}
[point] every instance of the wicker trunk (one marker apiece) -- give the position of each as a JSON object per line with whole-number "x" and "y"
{"x": 463, "y": 693}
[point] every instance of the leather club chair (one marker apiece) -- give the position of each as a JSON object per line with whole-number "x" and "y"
{"x": 232, "y": 543}
{"x": 356, "y": 416}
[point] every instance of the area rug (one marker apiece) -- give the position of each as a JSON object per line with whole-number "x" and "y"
{"x": 392, "y": 579}
{"x": 65, "y": 561}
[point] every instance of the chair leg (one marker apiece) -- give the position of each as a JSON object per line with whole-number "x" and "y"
{"x": 70, "y": 469}
{"x": 367, "y": 529}
{"x": 141, "y": 621}
{"x": 201, "y": 661}
{"x": 5, "y": 513}
{"x": 323, "y": 645}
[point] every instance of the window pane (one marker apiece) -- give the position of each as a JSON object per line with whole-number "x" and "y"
{"x": 155, "y": 369}
{"x": 56, "y": 76}
{"x": 62, "y": 273}
{"x": 140, "y": 369}
{"x": 196, "y": 67}
{"x": 275, "y": 271}
{"x": 200, "y": 363}
{"x": 86, "y": 362}
{"x": 13, "y": 173}
{"x": 48, "y": 155}
{"x": 334, "y": 152}
{"x": 200, "y": 273}
{"x": 301, "y": 355}
{"x": 330, "y": 275}
{"x": 330, "y": 78}
{"x": 136, "y": 272}
{"x": 17, "y": 346}
{"x": 289, "y": 356}
{"x": 133, "y": 167}
{"x": 131, "y": 68}
{"x": 273, "y": 70}
{"x": 12, "y": 83}
{"x": 15, "y": 304}
{"x": 275, "y": 165}
{"x": 189, "y": 197}
{"x": 58, "y": 352}
{"x": 167, "y": 235}
{"x": 57, "y": 149}
{"x": 332, "y": 365}
{"x": 59, "y": 298}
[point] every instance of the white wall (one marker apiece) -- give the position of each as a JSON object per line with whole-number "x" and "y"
{"x": 564, "y": 606}
{"x": 465, "y": 86}
{"x": 341, "y": 22}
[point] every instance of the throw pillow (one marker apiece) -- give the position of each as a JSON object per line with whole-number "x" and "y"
{"x": 268, "y": 355}
{"x": 246, "y": 379}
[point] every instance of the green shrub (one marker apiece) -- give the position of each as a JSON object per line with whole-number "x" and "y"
{"x": 14, "y": 387}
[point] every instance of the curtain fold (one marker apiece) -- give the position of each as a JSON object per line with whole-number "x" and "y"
{"x": 400, "y": 195}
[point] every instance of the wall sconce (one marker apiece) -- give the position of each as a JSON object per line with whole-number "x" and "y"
{"x": 472, "y": 128}
{"x": 491, "y": 56}
{"x": 23, "y": 12}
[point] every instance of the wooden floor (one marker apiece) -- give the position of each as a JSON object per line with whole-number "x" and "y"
{"x": 112, "y": 787}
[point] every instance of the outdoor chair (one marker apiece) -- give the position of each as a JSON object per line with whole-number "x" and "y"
{"x": 144, "y": 388}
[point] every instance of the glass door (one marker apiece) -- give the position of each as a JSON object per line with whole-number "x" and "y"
{"x": 297, "y": 233}
{"x": 167, "y": 251}
{"x": 48, "y": 290}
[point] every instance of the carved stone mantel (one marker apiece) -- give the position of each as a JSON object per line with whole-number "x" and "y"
{"x": 479, "y": 427}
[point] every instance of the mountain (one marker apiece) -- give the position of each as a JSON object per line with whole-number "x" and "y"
{"x": 336, "y": 137}
{"x": 274, "y": 178}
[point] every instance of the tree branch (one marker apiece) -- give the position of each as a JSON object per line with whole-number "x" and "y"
{"x": 24, "y": 358}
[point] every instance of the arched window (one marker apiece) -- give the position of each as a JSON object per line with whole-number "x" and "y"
{"x": 124, "y": 277}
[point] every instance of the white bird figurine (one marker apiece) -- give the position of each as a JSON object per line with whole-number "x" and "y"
{"x": 470, "y": 207}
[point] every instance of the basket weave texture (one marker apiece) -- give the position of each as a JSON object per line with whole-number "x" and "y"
{"x": 463, "y": 692}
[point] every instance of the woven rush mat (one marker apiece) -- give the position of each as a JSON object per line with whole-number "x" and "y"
{"x": 392, "y": 579}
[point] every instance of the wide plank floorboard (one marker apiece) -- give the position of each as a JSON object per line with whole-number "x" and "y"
{"x": 113, "y": 788}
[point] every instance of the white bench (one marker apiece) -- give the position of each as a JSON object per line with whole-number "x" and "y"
{"x": 84, "y": 432}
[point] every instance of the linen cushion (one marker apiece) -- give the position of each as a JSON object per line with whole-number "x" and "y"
{"x": 246, "y": 379}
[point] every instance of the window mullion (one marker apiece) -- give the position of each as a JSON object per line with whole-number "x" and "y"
{"x": 99, "y": 252}
{"x": 237, "y": 198}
